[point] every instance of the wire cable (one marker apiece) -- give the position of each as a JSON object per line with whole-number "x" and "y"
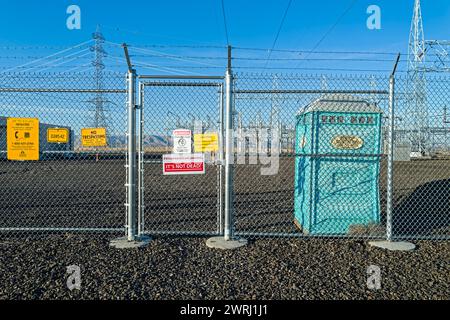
{"x": 61, "y": 58}
{"x": 332, "y": 28}
{"x": 152, "y": 66}
{"x": 225, "y": 22}
{"x": 278, "y": 32}
{"x": 162, "y": 54}
{"x": 52, "y": 55}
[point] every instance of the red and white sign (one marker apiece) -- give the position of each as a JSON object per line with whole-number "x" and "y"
{"x": 181, "y": 141}
{"x": 176, "y": 163}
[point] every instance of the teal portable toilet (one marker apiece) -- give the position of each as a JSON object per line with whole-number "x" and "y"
{"x": 337, "y": 165}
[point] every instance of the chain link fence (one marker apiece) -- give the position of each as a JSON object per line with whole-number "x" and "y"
{"x": 314, "y": 163}
{"x": 421, "y": 180}
{"x": 73, "y": 186}
{"x": 332, "y": 137}
{"x": 310, "y": 156}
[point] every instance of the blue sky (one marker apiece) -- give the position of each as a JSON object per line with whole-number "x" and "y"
{"x": 251, "y": 23}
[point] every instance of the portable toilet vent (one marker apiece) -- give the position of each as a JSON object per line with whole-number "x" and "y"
{"x": 337, "y": 165}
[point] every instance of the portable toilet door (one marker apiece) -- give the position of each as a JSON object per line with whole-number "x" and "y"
{"x": 338, "y": 147}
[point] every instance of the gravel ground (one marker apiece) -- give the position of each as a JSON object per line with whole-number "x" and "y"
{"x": 184, "y": 268}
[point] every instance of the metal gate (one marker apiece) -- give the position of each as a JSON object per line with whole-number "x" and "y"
{"x": 178, "y": 204}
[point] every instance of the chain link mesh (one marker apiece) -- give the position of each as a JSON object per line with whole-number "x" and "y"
{"x": 72, "y": 187}
{"x": 331, "y": 134}
{"x": 310, "y": 156}
{"x": 421, "y": 199}
{"x": 180, "y": 204}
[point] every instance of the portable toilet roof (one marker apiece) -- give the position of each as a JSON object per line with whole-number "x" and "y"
{"x": 338, "y": 102}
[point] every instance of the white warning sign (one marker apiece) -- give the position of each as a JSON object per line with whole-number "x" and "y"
{"x": 181, "y": 141}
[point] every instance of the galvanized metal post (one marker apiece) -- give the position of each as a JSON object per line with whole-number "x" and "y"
{"x": 228, "y": 241}
{"x": 140, "y": 141}
{"x": 229, "y": 153}
{"x": 221, "y": 161}
{"x": 131, "y": 150}
{"x": 390, "y": 167}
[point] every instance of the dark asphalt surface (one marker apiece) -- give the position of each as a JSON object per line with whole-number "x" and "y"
{"x": 184, "y": 268}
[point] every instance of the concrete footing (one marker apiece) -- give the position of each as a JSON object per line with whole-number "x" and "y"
{"x": 221, "y": 243}
{"x": 393, "y": 245}
{"x": 123, "y": 243}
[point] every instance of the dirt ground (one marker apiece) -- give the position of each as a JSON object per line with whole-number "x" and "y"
{"x": 185, "y": 268}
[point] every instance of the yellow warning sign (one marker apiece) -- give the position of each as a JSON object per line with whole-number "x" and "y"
{"x": 206, "y": 142}
{"x": 22, "y": 138}
{"x": 57, "y": 135}
{"x": 93, "y": 137}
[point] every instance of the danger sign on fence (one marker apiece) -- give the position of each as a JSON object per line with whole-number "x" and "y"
{"x": 22, "y": 139}
{"x": 93, "y": 137}
{"x": 181, "y": 141}
{"x": 183, "y": 163}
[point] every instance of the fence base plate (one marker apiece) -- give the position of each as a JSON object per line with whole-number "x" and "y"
{"x": 393, "y": 245}
{"x": 123, "y": 243}
{"x": 221, "y": 243}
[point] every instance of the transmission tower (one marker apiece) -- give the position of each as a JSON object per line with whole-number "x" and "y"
{"x": 440, "y": 51}
{"x": 424, "y": 57}
{"x": 99, "y": 102}
{"x": 416, "y": 86}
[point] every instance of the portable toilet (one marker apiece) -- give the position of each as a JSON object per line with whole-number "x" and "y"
{"x": 337, "y": 165}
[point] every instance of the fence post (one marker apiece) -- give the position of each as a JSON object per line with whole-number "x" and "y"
{"x": 131, "y": 149}
{"x": 390, "y": 165}
{"x": 389, "y": 244}
{"x": 228, "y": 241}
{"x": 221, "y": 162}
{"x": 133, "y": 238}
{"x": 140, "y": 143}
{"x": 229, "y": 156}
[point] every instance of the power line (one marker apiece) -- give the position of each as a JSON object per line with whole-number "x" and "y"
{"x": 152, "y": 66}
{"x": 332, "y": 27}
{"x": 177, "y": 56}
{"x": 225, "y": 22}
{"x": 37, "y": 47}
{"x": 70, "y": 56}
{"x": 58, "y": 64}
{"x": 316, "y": 59}
{"x": 162, "y": 54}
{"x": 79, "y": 67}
{"x": 140, "y": 33}
{"x": 278, "y": 32}
{"x": 51, "y": 55}
{"x": 319, "y": 69}
{"x": 25, "y": 57}
{"x": 175, "y": 46}
{"x": 317, "y": 52}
